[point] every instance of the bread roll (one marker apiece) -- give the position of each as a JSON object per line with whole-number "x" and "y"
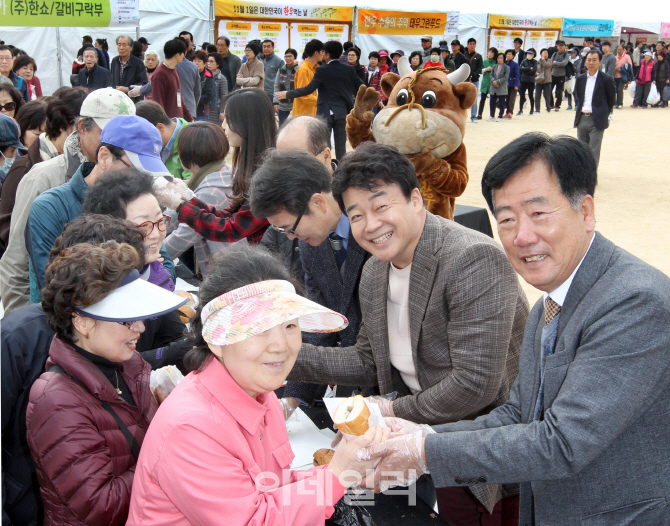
{"x": 352, "y": 416}
{"x": 323, "y": 457}
{"x": 186, "y": 311}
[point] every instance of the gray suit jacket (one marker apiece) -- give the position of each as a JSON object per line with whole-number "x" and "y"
{"x": 467, "y": 314}
{"x": 601, "y": 455}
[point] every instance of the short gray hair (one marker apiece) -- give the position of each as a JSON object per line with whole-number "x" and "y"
{"x": 151, "y": 52}
{"x": 130, "y": 40}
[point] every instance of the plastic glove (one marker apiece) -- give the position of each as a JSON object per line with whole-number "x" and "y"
{"x": 403, "y": 461}
{"x": 287, "y": 408}
{"x": 347, "y": 468}
{"x": 135, "y": 92}
{"x": 172, "y": 194}
{"x": 385, "y": 406}
{"x": 400, "y": 426}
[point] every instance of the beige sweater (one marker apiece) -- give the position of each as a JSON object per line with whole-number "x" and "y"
{"x": 253, "y": 74}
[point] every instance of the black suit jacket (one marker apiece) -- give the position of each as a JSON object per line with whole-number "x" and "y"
{"x": 336, "y": 83}
{"x": 602, "y": 102}
{"x": 324, "y": 285}
{"x": 134, "y": 74}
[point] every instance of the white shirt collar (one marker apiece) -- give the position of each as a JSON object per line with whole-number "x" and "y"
{"x": 559, "y": 294}
{"x": 592, "y": 77}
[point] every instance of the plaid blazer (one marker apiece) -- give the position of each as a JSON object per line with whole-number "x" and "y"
{"x": 467, "y": 318}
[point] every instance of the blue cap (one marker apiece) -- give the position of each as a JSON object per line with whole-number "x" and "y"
{"x": 141, "y": 141}
{"x": 10, "y": 132}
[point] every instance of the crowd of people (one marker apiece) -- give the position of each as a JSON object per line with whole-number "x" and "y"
{"x": 317, "y": 267}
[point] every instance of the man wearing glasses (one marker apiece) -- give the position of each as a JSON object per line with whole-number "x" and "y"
{"x": 126, "y": 141}
{"x": 6, "y": 65}
{"x": 302, "y": 207}
{"x": 127, "y": 70}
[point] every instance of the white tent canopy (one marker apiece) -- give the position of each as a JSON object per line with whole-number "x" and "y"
{"x": 160, "y": 20}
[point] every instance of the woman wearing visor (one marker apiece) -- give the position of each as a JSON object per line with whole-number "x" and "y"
{"x": 89, "y": 412}
{"x": 218, "y": 451}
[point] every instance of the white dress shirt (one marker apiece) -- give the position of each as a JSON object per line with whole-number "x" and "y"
{"x": 559, "y": 294}
{"x": 587, "y": 107}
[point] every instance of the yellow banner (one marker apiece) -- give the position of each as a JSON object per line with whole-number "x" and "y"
{"x": 540, "y": 22}
{"x": 239, "y": 26}
{"x": 307, "y": 29}
{"x": 269, "y": 27}
{"x": 374, "y": 22}
{"x": 230, "y": 9}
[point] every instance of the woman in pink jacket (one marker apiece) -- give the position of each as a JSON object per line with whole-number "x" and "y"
{"x": 217, "y": 450}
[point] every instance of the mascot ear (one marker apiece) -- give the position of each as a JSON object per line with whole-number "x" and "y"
{"x": 466, "y": 93}
{"x": 389, "y": 80}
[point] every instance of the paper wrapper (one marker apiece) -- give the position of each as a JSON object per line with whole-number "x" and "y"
{"x": 166, "y": 378}
{"x": 376, "y": 418}
{"x": 305, "y": 438}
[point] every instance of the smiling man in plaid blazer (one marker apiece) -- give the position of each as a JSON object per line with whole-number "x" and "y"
{"x": 443, "y": 312}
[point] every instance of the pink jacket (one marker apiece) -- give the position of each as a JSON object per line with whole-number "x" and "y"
{"x": 207, "y": 446}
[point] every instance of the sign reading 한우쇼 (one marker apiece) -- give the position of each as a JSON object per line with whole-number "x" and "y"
{"x": 240, "y": 9}
{"x": 583, "y": 27}
{"x": 53, "y": 13}
{"x": 510, "y": 21}
{"x": 373, "y": 22}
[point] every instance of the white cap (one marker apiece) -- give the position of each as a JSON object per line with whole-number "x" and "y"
{"x": 105, "y": 104}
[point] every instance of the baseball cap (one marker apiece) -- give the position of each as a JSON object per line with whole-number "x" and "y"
{"x": 532, "y": 51}
{"x": 134, "y": 299}
{"x": 10, "y": 131}
{"x": 648, "y": 54}
{"x": 456, "y": 42}
{"x": 143, "y": 40}
{"x": 573, "y": 50}
{"x": 444, "y": 47}
{"x": 141, "y": 141}
{"x": 105, "y": 104}
{"x": 426, "y": 38}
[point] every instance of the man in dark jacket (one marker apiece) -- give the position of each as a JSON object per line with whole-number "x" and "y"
{"x": 93, "y": 76}
{"x": 519, "y": 54}
{"x": 595, "y": 94}
{"x": 231, "y": 63}
{"x": 127, "y": 70}
{"x": 336, "y": 82}
{"x": 528, "y": 70}
{"x": 559, "y": 62}
{"x": 475, "y": 61}
{"x": 513, "y": 83}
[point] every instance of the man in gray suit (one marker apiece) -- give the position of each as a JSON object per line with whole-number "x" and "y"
{"x": 585, "y": 430}
{"x": 442, "y": 309}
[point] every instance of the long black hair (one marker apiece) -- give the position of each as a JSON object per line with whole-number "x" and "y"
{"x": 250, "y": 114}
{"x": 237, "y": 266}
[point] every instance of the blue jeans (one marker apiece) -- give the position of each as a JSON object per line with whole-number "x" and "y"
{"x": 473, "y": 110}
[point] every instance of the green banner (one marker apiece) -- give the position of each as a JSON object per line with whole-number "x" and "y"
{"x": 59, "y": 13}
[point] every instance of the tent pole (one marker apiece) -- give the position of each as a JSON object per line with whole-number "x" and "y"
{"x": 58, "y": 54}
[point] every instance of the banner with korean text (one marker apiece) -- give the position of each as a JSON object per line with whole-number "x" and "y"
{"x": 585, "y": 27}
{"x": 52, "y": 13}
{"x": 528, "y": 22}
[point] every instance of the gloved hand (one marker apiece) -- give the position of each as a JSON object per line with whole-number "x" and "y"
{"x": 345, "y": 464}
{"x": 403, "y": 461}
{"x": 135, "y": 92}
{"x": 172, "y": 194}
{"x": 400, "y": 426}
{"x": 287, "y": 408}
{"x": 385, "y": 406}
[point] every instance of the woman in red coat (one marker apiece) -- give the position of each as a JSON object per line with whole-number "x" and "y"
{"x": 89, "y": 412}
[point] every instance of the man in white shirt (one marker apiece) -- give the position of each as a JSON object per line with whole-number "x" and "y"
{"x": 595, "y": 94}
{"x": 442, "y": 312}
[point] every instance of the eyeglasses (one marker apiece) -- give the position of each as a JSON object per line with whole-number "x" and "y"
{"x": 292, "y": 231}
{"x": 148, "y": 226}
{"x": 128, "y": 324}
{"x": 10, "y": 106}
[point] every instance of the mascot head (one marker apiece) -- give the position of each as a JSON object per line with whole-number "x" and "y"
{"x": 426, "y": 109}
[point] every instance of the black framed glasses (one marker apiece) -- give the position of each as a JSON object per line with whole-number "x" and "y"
{"x": 295, "y": 225}
{"x": 10, "y": 106}
{"x": 148, "y": 226}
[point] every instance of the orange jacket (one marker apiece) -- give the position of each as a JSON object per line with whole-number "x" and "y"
{"x": 304, "y": 75}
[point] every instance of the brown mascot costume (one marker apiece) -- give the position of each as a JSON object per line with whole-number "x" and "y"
{"x": 425, "y": 120}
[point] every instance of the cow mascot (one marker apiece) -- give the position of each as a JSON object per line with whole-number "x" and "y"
{"x": 425, "y": 120}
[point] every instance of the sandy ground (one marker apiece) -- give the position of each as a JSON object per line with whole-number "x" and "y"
{"x": 632, "y": 208}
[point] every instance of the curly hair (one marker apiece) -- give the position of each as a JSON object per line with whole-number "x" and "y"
{"x": 114, "y": 190}
{"x": 80, "y": 276}
{"x": 230, "y": 269}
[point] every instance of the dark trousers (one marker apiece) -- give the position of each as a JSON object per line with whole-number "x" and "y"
{"x": 530, "y": 88}
{"x": 543, "y": 90}
{"x": 641, "y": 94}
{"x": 459, "y": 507}
{"x": 511, "y": 100}
{"x": 482, "y": 103}
{"x": 283, "y": 115}
{"x": 339, "y": 128}
{"x": 499, "y": 101}
{"x": 558, "y": 83}
{"x": 620, "y": 85}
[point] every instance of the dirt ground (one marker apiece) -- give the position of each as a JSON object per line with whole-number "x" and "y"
{"x": 632, "y": 208}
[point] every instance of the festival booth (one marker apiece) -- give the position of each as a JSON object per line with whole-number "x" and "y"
{"x": 645, "y": 32}
{"x": 536, "y": 31}
{"x": 50, "y": 31}
{"x": 575, "y": 29}
{"x": 288, "y": 26}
